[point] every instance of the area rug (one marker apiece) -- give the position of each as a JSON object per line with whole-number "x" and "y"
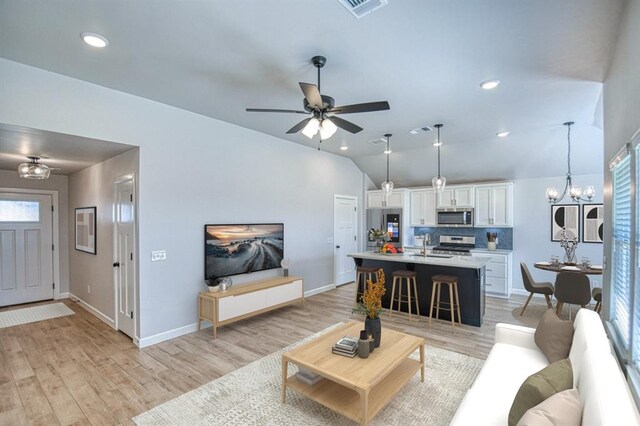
{"x": 533, "y": 314}
{"x": 33, "y": 314}
{"x": 252, "y": 396}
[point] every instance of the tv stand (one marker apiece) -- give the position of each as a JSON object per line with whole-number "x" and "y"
{"x": 247, "y": 300}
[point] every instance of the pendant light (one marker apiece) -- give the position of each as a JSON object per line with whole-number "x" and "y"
{"x": 575, "y": 192}
{"x": 33, "y": 169}
{"x": 439, "y": 181}
{"x": 387, "y": 185}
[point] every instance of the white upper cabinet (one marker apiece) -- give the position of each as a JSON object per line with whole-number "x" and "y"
{"x": 494, "y": 205}
{"x": 423, "y": 207}
{"x": 375, "y": 200}
{"x": 456, "y": 196}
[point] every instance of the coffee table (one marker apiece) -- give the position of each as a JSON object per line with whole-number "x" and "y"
{"x": 354, "y": 387}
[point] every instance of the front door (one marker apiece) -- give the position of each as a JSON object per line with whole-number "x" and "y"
{"x": 26, "y": 248}
{"x": 344, "y": 237}
{"x": 124, "y": 263}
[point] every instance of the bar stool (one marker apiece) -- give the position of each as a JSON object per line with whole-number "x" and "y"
{"x": 406, "y": 277}
{"x": 367, "y": 274}
{"x": 454, "y": 300}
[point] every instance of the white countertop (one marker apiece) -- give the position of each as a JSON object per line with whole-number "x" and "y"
{"x": 471, "y": 262}
{"x": 486, "y": 250}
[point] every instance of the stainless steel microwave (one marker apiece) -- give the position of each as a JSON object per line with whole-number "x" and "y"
{"x": 455, "y": 217}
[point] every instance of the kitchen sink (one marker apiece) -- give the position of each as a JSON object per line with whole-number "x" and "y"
{"x": 440, "y": 256}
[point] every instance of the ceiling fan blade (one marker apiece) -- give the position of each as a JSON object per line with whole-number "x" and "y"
{"x": 346, "y": 125}
{"x": 275, "y": 110}
{"x": 312, "y": 94}
{"x": 366, "y": 107}
{"x": 299, "y": 126}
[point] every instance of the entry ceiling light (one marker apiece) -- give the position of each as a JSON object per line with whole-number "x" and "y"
{"x": 575, "y": 192}
{"x": 95, "y": 40}
{"x": 387, "y": 185}
{"x": 33, "y": 169}
{"x": 489, "y": 84}
{"x": 439, "y": 181}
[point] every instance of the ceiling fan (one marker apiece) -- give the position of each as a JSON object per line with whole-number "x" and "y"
{"x": 323, "y": 111}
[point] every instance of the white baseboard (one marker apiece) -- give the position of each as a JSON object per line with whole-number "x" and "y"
{"x": 109, "y": 321}
{"x": 62, "y": 296}
{"x": 319, "y": 290}
{"x": 167, "y": 335}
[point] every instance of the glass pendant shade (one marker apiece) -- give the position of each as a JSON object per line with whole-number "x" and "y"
{"x": 33, "y": 170}
{"x": 311, "y": 128}
{"x": 589, "y": 192}
{"x": 327, "y": 129}
{"x": 552, "y": 193}
{"x": 575, "y": 192}
{"x": 387, "y": 187}
{"x": 439, "y": 183}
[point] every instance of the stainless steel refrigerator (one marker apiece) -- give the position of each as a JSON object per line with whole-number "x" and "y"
{"x": 389, "y": 220}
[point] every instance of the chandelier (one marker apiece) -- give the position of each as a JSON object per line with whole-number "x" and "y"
{"x": 387, "y": 185}
{"x": 438, "y": 182}
{"x": 33, "y": 169}
{"x": 575, "y": 192}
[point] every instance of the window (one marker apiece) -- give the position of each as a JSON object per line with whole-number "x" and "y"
{"x": 19, "y": 211}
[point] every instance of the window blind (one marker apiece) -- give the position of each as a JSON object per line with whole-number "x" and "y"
{"x": 635, "y": 338}
{"x": 621, "y": 249}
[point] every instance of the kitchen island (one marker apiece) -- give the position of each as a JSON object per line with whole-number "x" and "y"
{"x": 469, "y": 270}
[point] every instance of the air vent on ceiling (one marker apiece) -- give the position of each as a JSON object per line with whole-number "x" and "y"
{"x": 360, "y": 8}
{"x": 419, "y": 130}
{"x": 378, "y": 141}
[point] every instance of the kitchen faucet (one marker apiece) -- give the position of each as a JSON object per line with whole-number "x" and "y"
{"x": 426, "y": 241}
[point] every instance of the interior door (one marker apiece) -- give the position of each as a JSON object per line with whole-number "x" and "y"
{"x": 344, "y": 238}
{"x": 124, "y": 263}
{"x": 26, "y": 248}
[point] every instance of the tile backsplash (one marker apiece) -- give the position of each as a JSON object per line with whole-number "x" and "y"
{"x": 505, "y": 235}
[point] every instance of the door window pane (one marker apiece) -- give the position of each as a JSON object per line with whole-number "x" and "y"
{"x": 19, "y": 211}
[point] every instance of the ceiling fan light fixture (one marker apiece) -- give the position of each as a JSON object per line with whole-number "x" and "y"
{"x": 34, "y": 170}
{"x": 311, "y": 128}
{"x": 327, "y": 129}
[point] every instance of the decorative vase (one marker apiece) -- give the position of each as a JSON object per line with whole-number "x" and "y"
{"x": 363, "y": 345}
{"x": 373, "y": 326}
{"x": 378, "y": 246}
{"x": 570, "y": 257}
{"x": 491, "y": 245}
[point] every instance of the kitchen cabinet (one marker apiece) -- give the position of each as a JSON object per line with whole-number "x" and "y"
{"x": 498, "y": 273}
{"x": 494, "y": 205}
{"x": 423, "y": 207}
{"x": 375, "y": 200}
{"x": 456, "y": 196}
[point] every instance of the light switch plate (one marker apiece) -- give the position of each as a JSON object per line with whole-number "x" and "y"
{"x": 158, "y": 255}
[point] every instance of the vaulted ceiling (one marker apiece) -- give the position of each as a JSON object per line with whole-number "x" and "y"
{"x": 425, "y": 57}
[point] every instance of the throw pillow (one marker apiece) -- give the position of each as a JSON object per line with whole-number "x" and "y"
{"x": 552, "y": 379}
{"x": 554, "y": 336}
{"x": 561, "y": 409}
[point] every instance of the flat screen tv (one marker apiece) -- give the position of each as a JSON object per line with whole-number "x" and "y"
{"x": 242, "y": 248}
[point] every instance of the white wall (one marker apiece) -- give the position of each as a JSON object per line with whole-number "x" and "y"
{"x": 193, "y": 170}
{"x": 532, "y": 226}
{"x": 10, "y": 179}
{"x": 93, "y": 187}
{"x": 621, "y": 99}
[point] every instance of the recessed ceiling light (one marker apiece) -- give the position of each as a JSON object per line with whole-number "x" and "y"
{"x": 489, "y": 84}
{"x": 95, "y": 40}
{"x": 387, "y": 151}
{"x": 344, "y": 147}
{"x": 502, "y": 134}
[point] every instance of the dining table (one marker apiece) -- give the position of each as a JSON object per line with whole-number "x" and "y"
{"x": 561, "y": 267}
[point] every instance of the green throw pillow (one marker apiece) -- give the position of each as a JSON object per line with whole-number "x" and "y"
{"x": 552, "y": 379}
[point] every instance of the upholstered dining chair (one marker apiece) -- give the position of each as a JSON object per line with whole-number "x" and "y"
{"x": 596, "y": 293}
{"x": 535, "y": 288}
{"x": 572, "y": 288}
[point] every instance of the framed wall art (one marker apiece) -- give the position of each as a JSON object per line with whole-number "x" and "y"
{"x": 592, "y": 223}
{"x": 565, "y": 216}
{"x": 85, "y": 226}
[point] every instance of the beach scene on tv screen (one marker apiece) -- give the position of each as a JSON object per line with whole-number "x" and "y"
{"x": 238, "y": 249}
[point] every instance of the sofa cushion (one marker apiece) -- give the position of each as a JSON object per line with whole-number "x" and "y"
{"x": 604, "y": 392}
{"x": 588, "y": 334}
{"x": 561, "y": 409}
{"x": 553, "y": 336}
{"x": 539, "y": 386}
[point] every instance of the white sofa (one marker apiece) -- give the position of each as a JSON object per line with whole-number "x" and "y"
{"x": 603, "y": 390}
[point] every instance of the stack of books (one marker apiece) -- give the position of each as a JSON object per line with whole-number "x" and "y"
{"x": 308, "y": 377}
{"x": 347, "y": 346}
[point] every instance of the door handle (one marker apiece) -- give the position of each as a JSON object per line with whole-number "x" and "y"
{"x": 337, "y": 246}
{"x": 116, "y": 265}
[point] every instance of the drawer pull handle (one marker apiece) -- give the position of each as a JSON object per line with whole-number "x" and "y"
{"x": 487, "y": 269}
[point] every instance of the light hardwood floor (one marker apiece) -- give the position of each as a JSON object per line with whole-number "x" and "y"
{"x": 77, "y": 370}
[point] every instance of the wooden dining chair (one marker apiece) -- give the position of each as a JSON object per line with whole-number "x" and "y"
{"x": 535, "y": 288}
{"x": 573, "y": 288}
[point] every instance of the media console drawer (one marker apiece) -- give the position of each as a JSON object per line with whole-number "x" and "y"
{"x": 248, "y": 299}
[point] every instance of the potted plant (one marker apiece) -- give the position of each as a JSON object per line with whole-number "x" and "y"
{"x": 371, "y": 306}
{"x": 379, "y": 236}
